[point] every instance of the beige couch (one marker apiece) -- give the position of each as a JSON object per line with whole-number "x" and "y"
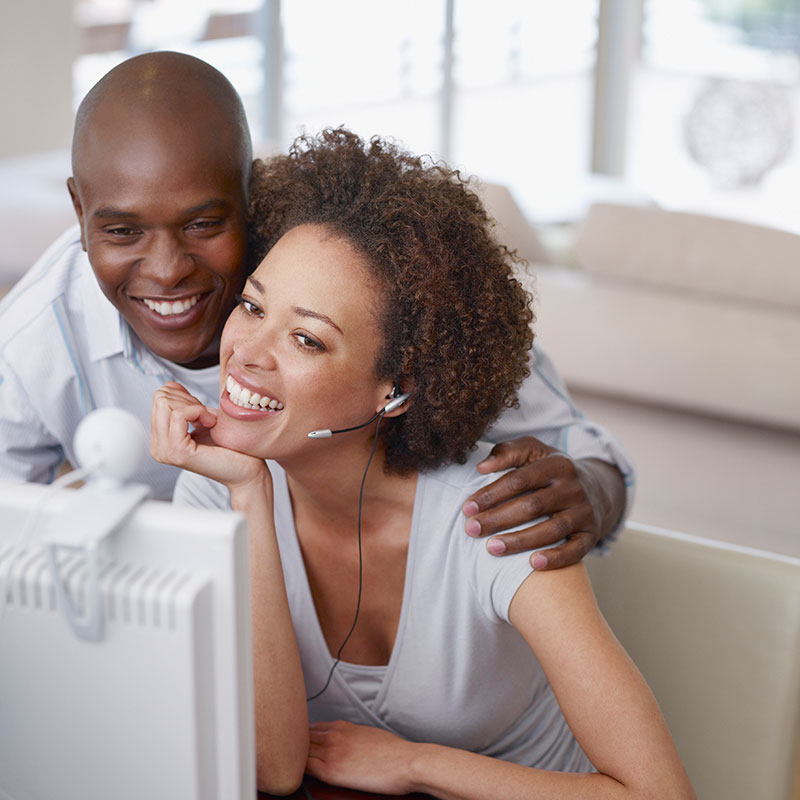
{"x": 681, "y": 333}
{"x": 715, "y": 629}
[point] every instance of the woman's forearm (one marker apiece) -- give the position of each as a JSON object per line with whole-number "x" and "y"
{"x": 453, "y": 774}
{"x": 281, "y": 718}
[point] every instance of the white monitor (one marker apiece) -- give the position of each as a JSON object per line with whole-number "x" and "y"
{"x": 160, "y": 703}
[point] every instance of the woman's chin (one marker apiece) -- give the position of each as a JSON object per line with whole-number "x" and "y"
{"x": 223, "y": 435}
{"x": 243, "y": 439}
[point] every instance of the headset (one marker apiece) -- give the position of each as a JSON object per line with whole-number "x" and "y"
{"x": 396, "y": 399}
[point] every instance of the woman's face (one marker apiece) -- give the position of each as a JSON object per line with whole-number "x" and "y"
{"x": 299, "y": 352}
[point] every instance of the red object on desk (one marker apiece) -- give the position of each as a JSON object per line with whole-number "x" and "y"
{"x": 313, "y": 789}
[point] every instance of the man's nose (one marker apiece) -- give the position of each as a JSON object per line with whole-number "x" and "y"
{"x": 168, "y": 260}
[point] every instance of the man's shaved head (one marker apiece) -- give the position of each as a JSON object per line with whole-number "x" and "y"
{"x": 161, "y": 162}
{"x": 144, "y": 92}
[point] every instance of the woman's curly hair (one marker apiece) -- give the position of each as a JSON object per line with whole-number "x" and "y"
{"x": 455, "y": 321}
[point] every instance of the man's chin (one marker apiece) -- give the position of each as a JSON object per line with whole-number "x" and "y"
{"x": 190, "y": 356}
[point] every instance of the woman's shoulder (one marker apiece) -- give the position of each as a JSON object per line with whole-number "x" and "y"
{"x": 464, "y": 477}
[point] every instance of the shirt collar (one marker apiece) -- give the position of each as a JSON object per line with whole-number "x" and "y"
{"x": 109, "y": 333}
{"x": 103, "y": 321}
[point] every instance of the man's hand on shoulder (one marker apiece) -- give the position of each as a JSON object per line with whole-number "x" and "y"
{"x": 583, "y": 500}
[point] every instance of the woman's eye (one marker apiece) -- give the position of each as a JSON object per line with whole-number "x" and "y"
{"x": 249, "y": 307}
{"x": 307, "y": 343}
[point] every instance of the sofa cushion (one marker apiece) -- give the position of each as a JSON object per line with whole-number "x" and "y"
{"x": 691, "y": 251}
{"x": 673, "y": 348}
{"x": 511, "y": 226}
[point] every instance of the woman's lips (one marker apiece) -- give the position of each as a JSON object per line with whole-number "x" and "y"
{"x": 248, "y": 399}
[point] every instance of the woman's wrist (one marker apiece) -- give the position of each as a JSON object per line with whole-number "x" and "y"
{"x": 422, "y": 765}
{"x": 250, "y": 490}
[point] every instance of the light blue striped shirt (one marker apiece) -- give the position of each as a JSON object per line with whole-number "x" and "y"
{"x": 64, "y": 351}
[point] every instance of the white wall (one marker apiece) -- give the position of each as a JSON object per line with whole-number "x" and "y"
{"x": 38, "y": 42}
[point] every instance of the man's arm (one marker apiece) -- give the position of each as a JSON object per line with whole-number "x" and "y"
{"x": 28, "y": 451}
{"x": 573, "y": 481}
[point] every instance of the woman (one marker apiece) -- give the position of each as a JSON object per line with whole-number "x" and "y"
{"x": 428, "y": 664}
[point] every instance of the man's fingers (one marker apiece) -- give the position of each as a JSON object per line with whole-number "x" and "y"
{"x": 562, "y": 555}
{"x": 503, "y": 456}
{"x": 513, "y": 484}
{"x": 514, "y": 453}
{"x": 522, "y": 508}
{"x": 548, "y": 531}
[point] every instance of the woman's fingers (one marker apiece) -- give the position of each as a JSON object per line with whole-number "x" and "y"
{"x": 174, "y": 410}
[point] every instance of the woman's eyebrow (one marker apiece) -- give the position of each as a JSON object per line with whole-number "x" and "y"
{"x": 307, "y": 312}
{"x": 299, "y": 310}
{"x": 257, "y": 285}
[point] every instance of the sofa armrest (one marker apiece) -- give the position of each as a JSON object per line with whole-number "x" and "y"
{"x": 715, "y": 629}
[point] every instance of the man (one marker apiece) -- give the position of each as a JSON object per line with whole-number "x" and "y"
{"x": 138, "y": 293}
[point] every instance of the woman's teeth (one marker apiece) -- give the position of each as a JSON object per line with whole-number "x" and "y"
{"x": 247, "y": 399}
{"x": 167, "y": 308}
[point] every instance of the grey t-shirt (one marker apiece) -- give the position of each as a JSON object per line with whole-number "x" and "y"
{"x": 459, "y": 674}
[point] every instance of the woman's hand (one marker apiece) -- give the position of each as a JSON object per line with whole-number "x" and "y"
{"x": 583, "y": 499}
{"x": 360, "y": 757}
{"x": 174, "y": 409}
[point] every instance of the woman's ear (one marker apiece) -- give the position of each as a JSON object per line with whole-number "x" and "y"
{"x": 396, "y": 401}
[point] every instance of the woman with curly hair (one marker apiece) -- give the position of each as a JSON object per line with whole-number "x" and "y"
{"x": 423, "y": 663}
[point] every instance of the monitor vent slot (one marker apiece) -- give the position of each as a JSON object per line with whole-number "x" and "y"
{"x": 130, "y": 594}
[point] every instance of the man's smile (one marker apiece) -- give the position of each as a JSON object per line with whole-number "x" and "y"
{"x": 167, "y": 307}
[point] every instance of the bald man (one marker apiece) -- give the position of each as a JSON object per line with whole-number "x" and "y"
{"x": 138, "y": 292}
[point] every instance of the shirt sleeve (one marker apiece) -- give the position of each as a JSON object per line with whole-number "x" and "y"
{"x": 547, "y": 412}
{"x": 28, "y": 450}
{"x": 200, "y": 492}
{"x": 496, "y": 580}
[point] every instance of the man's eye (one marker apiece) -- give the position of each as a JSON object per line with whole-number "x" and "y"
{"x": 122, "y": 230}
{"x": 203, "y": 224}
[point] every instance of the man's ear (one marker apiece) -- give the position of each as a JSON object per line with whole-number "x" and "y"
{"x": 76, "y": 204}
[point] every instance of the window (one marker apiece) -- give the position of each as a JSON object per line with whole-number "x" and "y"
{"x": 523, "y": 80}
{"x": 224, "y": 33}
{"x": 715, "y": 107}
{"x": 375, "y": 67}
{"x": 703, "y": 110}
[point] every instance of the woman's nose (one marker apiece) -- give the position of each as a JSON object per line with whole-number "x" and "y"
{"x": 256, "y": 350}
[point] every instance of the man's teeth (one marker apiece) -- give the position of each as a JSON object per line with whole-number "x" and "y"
{"x": 247, "y": 399}
{"x": 167, "y": 308}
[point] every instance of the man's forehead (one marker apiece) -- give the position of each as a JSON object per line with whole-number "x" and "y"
{"x": 127, "y": 143}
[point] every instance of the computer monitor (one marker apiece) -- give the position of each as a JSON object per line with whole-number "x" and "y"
{"x": 159, "y": 704}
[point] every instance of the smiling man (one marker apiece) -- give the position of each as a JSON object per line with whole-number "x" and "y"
{"x": 137, "y": 294}
{"x": 140, "y": 290}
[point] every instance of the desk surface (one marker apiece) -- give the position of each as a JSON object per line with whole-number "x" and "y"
{"x": 314, "y": 790}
